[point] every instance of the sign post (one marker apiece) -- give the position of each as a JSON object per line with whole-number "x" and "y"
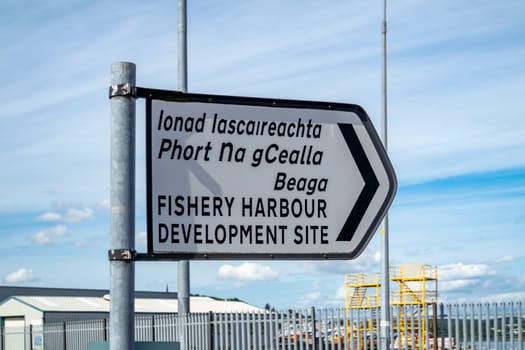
{"x": 122, "y": 202}
{"x": 250, "y": 178}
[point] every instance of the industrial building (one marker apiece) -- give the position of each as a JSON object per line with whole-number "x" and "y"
{"x": 22, "y": 308}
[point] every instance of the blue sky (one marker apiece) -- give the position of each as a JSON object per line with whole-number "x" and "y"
{"x": 456, "y": 132}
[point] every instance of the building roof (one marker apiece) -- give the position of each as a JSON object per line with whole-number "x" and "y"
{"x": 142, "y": 305}
{"x": 8, "y": 291}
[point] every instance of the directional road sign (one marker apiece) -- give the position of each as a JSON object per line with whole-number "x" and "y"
{"x": 251, "y": 178}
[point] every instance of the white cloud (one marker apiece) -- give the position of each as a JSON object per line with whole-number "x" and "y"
{"x": 463, "y": 271}
{"x": 247, "y": 271}
{"x": 504, "y": 297}
{"x": 77, "y": 215}
{"x": 503, "y": 259}
{"x": 50, "y": 235}
{"x": 458, "y": 276}
{"x": 322, "y": 295}
{"x": 310, "y": 299}
{"x": 19, "y": 276}
{"x": 447, "y": 286}
{"x": 49, "y": 216}
{"x": 41, "y": 238}
{"x": 71, "y": 215}
{"x": 341, "y": 293}
{"x": 103, "y": 204}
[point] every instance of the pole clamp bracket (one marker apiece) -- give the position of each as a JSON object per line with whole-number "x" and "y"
{"x": 126, "y": 90}
{"x": 121, "y": 254}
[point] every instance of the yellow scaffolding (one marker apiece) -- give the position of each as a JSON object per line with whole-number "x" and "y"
{"x": 416, "y": 284}
{"x": 413, "y": 290}
{"x": 358, "y": 288}
{"x": 361, "y": 299}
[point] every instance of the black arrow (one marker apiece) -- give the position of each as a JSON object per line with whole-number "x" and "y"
{"x": 368, "y": 191}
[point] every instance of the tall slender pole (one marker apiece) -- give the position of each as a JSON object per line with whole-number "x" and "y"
{"x": 183, "y": 279}
{"x": 122, "y": 202}
{"x": 183, "y": 48}
{"x": 385, "y": 266}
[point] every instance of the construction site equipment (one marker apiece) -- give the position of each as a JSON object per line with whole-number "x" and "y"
{"x": 413, "y": 294}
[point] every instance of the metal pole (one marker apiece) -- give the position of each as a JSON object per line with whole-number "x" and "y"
{"x": 183, "y": 280}
{"x": 385, "y": 266}
{"x": 183, "y": 48}
{"x": 122, "y": 201}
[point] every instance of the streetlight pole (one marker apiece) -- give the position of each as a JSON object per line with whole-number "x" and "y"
{"x": 385, "y": 266}
{"x": 183, "y": 277}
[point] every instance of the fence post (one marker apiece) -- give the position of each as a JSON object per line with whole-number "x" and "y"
{"x": 511, "y": 324}
{"x": 313, "y": 329}
{"x": 520, "y": 325}
{"x": 153, "y": 328}
{"x": 495, "y": 333}
{"x": 105, "y": 329}
{"x": 441, "y": 323}
{"x": 503, "y": 325}
{"x": 480, "y": 325}
{"x": 487, "y": 325}
{"x": 64, "y": 329}
{"x": 210, "y": 330}
{"x": 30, "y": 336}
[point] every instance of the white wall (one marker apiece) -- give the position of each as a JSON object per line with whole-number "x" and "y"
{"x": 16, "y": 317}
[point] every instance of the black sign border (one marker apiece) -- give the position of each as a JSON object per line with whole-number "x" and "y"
{"x": 178, "y": 96}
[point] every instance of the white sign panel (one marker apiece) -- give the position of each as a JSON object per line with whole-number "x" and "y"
{"x": 254, "y": 178}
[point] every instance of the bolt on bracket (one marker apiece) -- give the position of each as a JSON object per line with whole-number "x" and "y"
{"x": 126, "y": 90}
{"x": 121, "y": 254}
